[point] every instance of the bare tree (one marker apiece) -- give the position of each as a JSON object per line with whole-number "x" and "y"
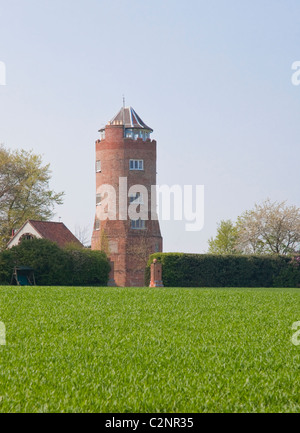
{"x": 83, "y": 235}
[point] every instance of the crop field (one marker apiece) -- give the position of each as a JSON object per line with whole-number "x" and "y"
{"x": 149, "y": 350}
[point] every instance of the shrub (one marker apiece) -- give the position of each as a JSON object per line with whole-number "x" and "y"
{"x": 6, "y": 266}
{"x": 207, "y": 270}
{"x": 54, "y": 266}
{"x": 89, "y": 268}
{"x": 50, "y": 263}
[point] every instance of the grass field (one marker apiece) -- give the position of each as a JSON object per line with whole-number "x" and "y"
{"x": 149, "y": 350}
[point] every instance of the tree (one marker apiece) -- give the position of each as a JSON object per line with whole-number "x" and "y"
{"x": 83, "y": 235}
{"x": 269, "y": 228}
{"x": 24, "y": 191}
{"x": 226, "y": 240}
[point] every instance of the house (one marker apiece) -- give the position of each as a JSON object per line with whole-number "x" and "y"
{"x": 53, "y": 231}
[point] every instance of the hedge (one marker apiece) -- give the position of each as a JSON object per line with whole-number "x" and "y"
{"x": 55, "y": 266}
{"x": 207, "y": 270}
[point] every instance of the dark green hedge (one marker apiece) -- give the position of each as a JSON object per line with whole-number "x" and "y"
{"x": 55, "y": 266}
{"x": 207, "y": 270}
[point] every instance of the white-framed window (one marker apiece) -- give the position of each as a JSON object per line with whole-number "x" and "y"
{"x": 98, "y": 166}
{"x": 136, "y": 164}
{"x": 97, "y": 225}
{"x": 98, "y": 199}
{"x": 136, "y": 198}
{"x": 102, "y": 134}
{"x": 138, "y": 224}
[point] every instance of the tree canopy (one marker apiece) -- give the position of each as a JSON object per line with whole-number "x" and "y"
{"x": 226, "y": 240}
{"x": 268, "y": 228}
{"x": 24, "y": 191}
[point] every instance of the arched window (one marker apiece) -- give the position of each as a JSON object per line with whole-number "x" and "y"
{"x": 26, "y": 236}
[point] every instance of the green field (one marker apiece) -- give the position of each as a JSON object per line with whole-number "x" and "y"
{"x": 149, "y": 350}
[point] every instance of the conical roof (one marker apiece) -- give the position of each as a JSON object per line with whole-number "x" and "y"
{"x": 129, "y": 117}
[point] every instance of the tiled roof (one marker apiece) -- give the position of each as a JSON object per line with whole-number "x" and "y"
{"x": 131, "y": 119}
{"x": 55, "y": 232}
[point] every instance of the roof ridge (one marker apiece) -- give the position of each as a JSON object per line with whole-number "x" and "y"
{"x": 129, "y": 117}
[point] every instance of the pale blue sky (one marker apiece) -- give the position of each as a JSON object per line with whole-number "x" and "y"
{"x": 212, "y": 78}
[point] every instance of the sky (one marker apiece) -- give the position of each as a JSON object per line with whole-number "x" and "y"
{"x": 212, "y": 78}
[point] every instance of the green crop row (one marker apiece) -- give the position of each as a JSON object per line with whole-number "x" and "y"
{"x": 72, "y": 349}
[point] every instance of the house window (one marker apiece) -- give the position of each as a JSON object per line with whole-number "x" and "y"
{"x": 138, "y": 224}
{"x": 98, "y": 199}
{"x": 136, "y": 164}
{"x": 98, "y": 166}
{"x": 26, "y": 236}
{"x": 136, "y": 198}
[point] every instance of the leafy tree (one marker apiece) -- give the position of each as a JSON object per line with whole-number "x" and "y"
{"x": 226, "y": 240}
{"x": 269, "y": 228}
{"x": 24, "y": 191}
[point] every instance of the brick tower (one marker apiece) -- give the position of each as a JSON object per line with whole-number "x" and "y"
{"x": 126, "y": 225}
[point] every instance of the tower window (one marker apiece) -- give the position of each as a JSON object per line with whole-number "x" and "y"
{"x": 98, "y": 199}
{"x": 98, "y": 166}
{"x": 134, "y": 134}
{"x": 136, "y": 164}
{"x": 138, "y": 224}
{"x": 136, "y": 198}
{"x": 97, "y": 225}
